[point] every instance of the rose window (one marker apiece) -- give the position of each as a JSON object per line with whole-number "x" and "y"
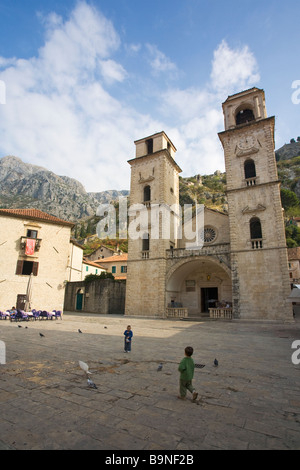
{"x": 209, "y": 234}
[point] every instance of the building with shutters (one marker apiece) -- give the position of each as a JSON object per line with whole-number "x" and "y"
{"x": 35, "y": 247}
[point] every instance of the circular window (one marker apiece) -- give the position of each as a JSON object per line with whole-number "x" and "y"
{"x": 209, "y": 234}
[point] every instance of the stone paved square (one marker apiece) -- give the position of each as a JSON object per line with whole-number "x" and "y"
{"x": 250, "y": 401}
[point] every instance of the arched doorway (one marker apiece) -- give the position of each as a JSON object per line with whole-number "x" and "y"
{"x": 79, "y": 299}
{"x": 198, "y": 284}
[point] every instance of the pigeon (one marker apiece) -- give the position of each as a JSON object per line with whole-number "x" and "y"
{"x": 216, "y": 363}
{"x": 41, "y": 335}
{"x": 159, "y": 367}
{"x": 200, "y": 366}
{"x": 105, "y": 327}
{"x": 84, "y": 367}
{"x": 79, "y": 331}
{"x": 91, "y": 384}
{"x": 19, "y": 326}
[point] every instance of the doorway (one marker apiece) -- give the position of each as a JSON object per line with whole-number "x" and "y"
{"x": 209, "y": 297}
{"x": 79, "y": 300}
{"x": 21, "y": 300}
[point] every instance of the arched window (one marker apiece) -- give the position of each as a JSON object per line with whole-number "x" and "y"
{"x": 255, "y": 233}
{"x": 146, "y": 244}
{"x": 147, "y": 193}
{"x": 249, "y": 167}
{"x": 149, "y": 144}
{"x": 243, "y": 116}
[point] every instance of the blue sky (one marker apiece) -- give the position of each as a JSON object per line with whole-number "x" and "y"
{"x": 81, "y": 80}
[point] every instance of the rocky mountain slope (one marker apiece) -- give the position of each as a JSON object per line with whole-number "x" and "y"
{"x": 23, "y": 185}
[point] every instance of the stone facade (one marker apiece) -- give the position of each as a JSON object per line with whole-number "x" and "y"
{"x": 257, "y": 235}
{"x": 154, "y": 185}
{"x": 50, "y": 260}
{"x": 243, "y": 262}
{"x": 103, "y": 296}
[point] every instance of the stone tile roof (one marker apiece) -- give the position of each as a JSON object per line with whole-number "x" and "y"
{"x": 115, "y": 258}
{"x": 34, "y": 214}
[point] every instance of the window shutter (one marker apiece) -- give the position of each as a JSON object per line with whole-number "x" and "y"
{"x": 35, "y": 268}
{"x": 19, "y": 267}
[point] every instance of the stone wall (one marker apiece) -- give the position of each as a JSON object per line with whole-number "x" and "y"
{"x": 104, "y": 296}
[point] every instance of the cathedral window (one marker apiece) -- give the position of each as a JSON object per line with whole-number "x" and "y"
{"x": 147, "y": 193}
{"x": 145, "y": 246}
{"x": 209, "y": 234}
{"x": 250, "y": 172}
{"x": 244, "y": 116}
{"x": 149, "y": 144}
{"x": 146, "y": 242}
{"x": 255, "y": 233}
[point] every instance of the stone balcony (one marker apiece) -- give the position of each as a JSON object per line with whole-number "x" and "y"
{"x": 221, "y": 251}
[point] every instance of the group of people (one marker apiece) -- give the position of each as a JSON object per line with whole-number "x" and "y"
{"x": 185, "y": 368}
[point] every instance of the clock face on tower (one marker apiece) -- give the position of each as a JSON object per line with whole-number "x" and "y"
{"x": 246, "y": 143}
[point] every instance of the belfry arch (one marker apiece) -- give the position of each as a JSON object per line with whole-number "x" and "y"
{"x": 198, "y": 283}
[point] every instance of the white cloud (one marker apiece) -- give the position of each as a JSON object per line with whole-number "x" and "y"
{"x": 60, "y": 114}
{"x": 233, "y": 69}
{"x": 159, "y": 62}
{"x": 197, "y": 115}
{"x": 112, "y": 71}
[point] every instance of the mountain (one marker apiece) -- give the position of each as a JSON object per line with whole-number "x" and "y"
{"x": 24, "y": 185}
{"x": 288, "y": 151}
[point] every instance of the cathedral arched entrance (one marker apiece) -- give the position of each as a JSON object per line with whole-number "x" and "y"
{"x": 198, "y": 284}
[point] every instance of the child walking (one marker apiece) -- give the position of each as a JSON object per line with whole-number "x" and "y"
{"x": 186, "y": 369}
{"x": 128, "y": 337}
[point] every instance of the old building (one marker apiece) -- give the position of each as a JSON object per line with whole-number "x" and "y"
{"x": 89, "y": 267}
{"x": 241, "y": 266}
{"x": 36, "y": 259}
{"x": 294, "y": 265}
{"x": 116, "y": 265}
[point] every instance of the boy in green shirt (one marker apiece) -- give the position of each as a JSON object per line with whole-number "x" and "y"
{"x": 186, "y": 369}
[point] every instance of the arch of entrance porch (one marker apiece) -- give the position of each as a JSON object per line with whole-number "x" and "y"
{"x": 192, "y": 262}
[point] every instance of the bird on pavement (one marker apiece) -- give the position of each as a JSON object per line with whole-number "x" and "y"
{"x": 216, "y": 362}
{"x": 41, "y": 335}
{"x": 84, "y": 367}
{"x": 159, "y": 367}
{"x": 91, "y": 384}
{"x": 79, "y": 331}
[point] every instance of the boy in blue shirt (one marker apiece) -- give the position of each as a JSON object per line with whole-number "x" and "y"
{"x": 128, "y": 337}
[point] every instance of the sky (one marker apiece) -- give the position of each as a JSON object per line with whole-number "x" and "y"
{"x": 80, "y": 81}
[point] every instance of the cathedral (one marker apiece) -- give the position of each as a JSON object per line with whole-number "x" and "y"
{"x": 240, "y": 268}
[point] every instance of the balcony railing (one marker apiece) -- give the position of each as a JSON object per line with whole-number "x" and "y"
{"x": 177, "y": 312}
{"x": 257, "y": 243}
{"x": 251, "y": 181}
{"x": 37, "y": 243}
{"x": 220, "y": 312}
{"x": 217, "y": 249}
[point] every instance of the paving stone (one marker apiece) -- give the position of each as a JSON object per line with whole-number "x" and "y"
{"x": 250, "y": 401}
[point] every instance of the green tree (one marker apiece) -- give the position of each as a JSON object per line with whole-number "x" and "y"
{"x": 288, "y": 198}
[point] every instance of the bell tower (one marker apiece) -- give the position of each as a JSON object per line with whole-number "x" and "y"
{"x": 154, "y": 197}
{"x": 260, "y": 280}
